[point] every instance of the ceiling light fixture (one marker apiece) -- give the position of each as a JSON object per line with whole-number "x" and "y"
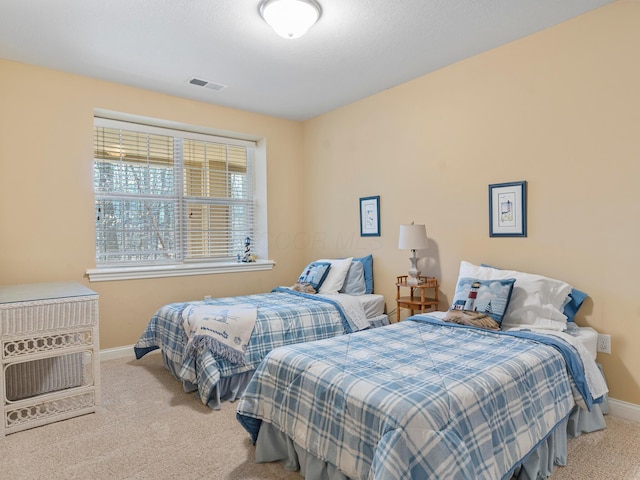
{"x": 290, "y": 18}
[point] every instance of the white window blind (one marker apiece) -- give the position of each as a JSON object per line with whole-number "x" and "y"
{"x": 169, "y": 196}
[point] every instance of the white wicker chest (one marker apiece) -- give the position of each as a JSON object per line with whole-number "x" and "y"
{"x": 50, "y": 350}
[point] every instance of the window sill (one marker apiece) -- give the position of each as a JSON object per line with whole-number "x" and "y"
{"x": 107, "y": 274}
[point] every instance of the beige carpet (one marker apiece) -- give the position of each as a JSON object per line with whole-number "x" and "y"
{"x": 148, "y": 428}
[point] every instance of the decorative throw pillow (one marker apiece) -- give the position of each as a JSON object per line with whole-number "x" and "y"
{"x": 303, "y": 287}
{"x": 473, "y": 319}
{"x": 481, "y": 303}
{"x": 315, "y": 274}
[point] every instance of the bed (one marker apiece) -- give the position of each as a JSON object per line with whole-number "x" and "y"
{"x": 435, "y": 396}
{"x": 344, "y": 303}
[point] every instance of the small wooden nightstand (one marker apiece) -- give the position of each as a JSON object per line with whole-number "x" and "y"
{"x": 416, "y": 301}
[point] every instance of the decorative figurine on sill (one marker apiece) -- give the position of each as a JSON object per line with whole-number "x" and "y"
{"x": 248, "y": 257}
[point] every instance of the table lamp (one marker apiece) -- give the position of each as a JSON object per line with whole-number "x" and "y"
{"x": 413, "y": 237}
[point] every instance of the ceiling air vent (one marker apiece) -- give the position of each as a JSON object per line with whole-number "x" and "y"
{"x": 207, "y": 84}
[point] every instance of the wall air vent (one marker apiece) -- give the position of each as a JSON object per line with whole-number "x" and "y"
{"x": 207, "y": 84}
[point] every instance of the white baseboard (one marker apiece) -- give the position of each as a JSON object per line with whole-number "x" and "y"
{"x": 626, "y": 410}
{"x": 118, "y": 352}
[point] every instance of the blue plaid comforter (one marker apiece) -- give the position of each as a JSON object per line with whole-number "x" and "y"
{"x": 284, "y": 317}
{"x": 413, "y": 400}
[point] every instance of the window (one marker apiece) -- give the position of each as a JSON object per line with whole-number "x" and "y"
{"x": 167, "y": 197}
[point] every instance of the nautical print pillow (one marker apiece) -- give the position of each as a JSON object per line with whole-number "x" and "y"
{"x": 480, "y": 303}
{"x": 314, "y": 274}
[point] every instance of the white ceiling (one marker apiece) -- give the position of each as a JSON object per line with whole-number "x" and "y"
{"x": 358, "y": 47}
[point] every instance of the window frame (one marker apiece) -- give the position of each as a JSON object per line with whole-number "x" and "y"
{"x": 195, "y": 267}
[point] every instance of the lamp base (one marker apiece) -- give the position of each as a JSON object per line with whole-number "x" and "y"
{"x": 412, "y": 280}
{"x": 414, "y": 273}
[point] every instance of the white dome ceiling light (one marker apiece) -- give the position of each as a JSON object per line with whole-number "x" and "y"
{"x": 290, "y": 18}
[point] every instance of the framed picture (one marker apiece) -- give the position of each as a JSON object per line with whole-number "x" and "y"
{"x": 508, "y": 209}
{"x": 370, "y": 216}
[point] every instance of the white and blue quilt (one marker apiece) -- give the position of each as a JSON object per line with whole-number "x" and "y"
{"x": 284, "y": 317}
{"x": 415, "y": 399}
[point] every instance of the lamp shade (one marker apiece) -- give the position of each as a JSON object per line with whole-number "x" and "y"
{"x": 413, "y": 237}
{"x": 290, "y": 18}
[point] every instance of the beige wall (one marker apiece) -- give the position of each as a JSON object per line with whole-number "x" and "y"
{"x": 559, "y": 109}
{"x": 46, "y": 191}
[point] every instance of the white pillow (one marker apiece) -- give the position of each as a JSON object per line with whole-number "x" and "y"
{"x": 536, "y": 301}
{"x": 337, "y": 273}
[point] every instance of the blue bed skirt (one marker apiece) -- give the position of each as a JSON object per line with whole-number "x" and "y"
{"x": 274, "y": 445}
{"x": 227, "y": 389}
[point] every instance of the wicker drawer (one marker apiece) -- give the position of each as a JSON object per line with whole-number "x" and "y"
{"x": 41, "y": 411}
{"x": 14, "y": 347}
{"x": 45, "y": 375}
{"x": 51, "y": 314}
